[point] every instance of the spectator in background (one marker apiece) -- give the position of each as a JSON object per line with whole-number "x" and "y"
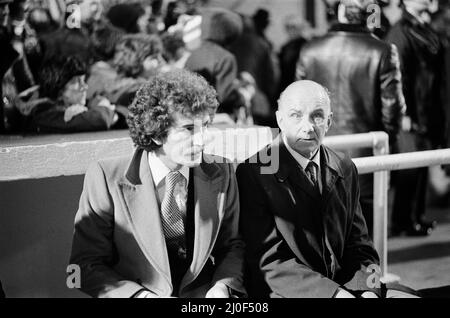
{"x": 130, "y": 17}
{"x": 298, "y": 32}
{"x": 382, "y": 30}
{"x": 421, "y": 60}
{"x": 213, "y": 60}
{"x": 73, "y": 38}
{"x": 104, "y": 39}
{"x": 364, "y": 79}
{"x": 175, "y": 51}
{"x": 253, "y": 56}
{"x": 173, "y": 12}
{"x": 137, "y": 57}
{"x": 261, "y": 20}
{"x": 62, "y": 107}
{"x": 7, "y": 53}
{"x": 441, "y": 24}
{"x": 41, "y": 20}
{"x": 28, "y": 41}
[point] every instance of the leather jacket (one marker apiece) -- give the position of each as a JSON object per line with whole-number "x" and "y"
{"x": 363, "y": 77}
{"x": 422, "y": 62}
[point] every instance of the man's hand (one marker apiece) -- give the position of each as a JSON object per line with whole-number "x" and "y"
{"x": 343, "y": 294}
{"x": 220, "y": 290}
{"x": 369, "y": 295}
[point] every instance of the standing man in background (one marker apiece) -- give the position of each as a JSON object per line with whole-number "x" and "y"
{"x": 363, "y": 76}
{"x": 421, "y": 60}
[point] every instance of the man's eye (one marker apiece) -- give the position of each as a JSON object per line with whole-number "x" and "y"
{"x": 318, "y": 119}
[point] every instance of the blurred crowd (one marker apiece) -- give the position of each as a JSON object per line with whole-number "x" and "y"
{"x": 72, "y": 66}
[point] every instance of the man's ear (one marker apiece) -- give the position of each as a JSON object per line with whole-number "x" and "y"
{"x": 279, "y": 118}
{"x": 329, "y": 122}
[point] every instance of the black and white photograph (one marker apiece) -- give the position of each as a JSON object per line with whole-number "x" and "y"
{"x": 224, "y": 153}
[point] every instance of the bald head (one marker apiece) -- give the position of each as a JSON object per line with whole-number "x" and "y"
{"x": 304, "y": 116}
{"x": 304, "y": 94}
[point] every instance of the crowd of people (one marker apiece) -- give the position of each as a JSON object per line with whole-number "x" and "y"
{"x": 80, "y": 73}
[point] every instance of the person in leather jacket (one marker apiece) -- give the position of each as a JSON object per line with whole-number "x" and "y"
{"x": 363, "y": 76}
{"x": 422, "y": 64}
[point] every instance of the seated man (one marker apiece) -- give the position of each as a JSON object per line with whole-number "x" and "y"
{"x": 301, "y": 218}
{"x": 163, "y": 223}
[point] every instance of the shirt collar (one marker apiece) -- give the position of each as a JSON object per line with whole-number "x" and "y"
{"x": 160, "y": 170}
{"x": 299, "y": 158}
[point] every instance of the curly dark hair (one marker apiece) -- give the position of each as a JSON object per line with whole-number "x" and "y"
{"x": 150, "y": 114}
{"x": 57, "y": 72}
{"x": 140, "y": 46}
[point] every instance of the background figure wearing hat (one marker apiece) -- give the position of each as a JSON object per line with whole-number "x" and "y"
{"x": 421, "y": 59}
{"x": 363, "y": 76}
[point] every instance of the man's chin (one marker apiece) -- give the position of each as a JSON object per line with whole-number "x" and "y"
{"x": 193, "y": 160}
{"x": 307, "y": 149}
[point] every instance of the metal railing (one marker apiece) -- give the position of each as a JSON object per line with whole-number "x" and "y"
{"x": 393, "y": 163}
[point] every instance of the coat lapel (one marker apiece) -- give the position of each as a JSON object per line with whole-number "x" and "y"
{"x": 331, "y": 172}
{"x": 207, "y": 186}
{"x": 143, "y": 213}
{"x": 291, "y": 179}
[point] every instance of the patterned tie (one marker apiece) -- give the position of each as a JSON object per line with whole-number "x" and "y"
{"x": 173, "y": 210}
{"x": 311, "y": 172}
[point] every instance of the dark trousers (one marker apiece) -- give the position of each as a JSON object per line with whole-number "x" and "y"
{"x": 410, "y": 197}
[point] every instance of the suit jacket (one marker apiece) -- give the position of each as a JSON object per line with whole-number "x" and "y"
{"x": 301, "y": 243}
{"x": 119, "y": 242}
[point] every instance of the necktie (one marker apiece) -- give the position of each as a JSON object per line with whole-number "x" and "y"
{"x": 311, "y": 172}
{"x": 173, "y": 210}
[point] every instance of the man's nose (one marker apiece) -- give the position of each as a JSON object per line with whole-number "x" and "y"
{"x": 199, "y": 136}
{"x": 306, "y": 125}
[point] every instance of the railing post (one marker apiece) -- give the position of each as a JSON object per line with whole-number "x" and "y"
{"x": 380, "y": 207}
{"x": 380, "y": 202}
{"x": 380, "y": 217}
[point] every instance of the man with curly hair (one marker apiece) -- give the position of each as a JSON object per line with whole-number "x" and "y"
{"x": 164, "y": 224}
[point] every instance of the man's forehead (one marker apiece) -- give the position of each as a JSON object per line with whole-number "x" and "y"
{"x": 304, "y": 95}
{"x": 304, "y": 103}
{"x": 190, "y": 118}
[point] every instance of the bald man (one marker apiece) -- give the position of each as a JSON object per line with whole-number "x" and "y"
{"x": 302, "y": 222}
